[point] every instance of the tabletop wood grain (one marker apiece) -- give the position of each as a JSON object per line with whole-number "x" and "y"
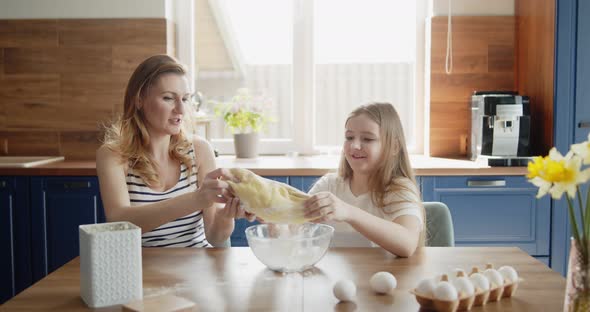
{"x": 232, "y": 279}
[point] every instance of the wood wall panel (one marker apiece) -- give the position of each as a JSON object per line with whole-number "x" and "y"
{"x": 30, "y": 101}
{"x": 31, "y": 60}
{"x": 535, "y": 62}
{"x": 108, "y": 32}
{"x": 127, "y": 57}
{"x": 33, "y": 143}
{"x": 90, "y": 60}
{"x": 28, "y": 33}
{"x": 483, "y": 59}
{"x": 76, "y": 144}
{"x": 2, "y": 103}
{"x": 61, "y": 79}
{"x": 58, "y": 60}
{"x": 94, "y": 96}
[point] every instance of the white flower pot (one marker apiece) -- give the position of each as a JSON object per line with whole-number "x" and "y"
{"x": 246, "y": 145}
{"x": 110, "y": 263}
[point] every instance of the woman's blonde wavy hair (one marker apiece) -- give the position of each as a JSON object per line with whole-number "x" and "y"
{"x": 128, "y": 135}
{"x": 394, "y": 161}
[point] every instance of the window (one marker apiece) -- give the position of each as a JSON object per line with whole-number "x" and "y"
{"x": 317, "y": 60}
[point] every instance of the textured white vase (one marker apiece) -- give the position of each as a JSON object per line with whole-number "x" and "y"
{"x": 246, "y": 145}
{"x": 110, "y": 263}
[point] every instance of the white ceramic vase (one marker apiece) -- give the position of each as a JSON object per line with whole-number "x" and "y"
{"x": 110, "y": 263}
{"x": 246, "y": 145}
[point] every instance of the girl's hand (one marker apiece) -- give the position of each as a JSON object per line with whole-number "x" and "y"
{"x": 233, "y": 210}
{"x": 325, "y": 206}
{"x": 214, "y": 189}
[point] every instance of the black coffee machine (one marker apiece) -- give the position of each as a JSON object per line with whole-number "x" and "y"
{"x": 500, "y": 128}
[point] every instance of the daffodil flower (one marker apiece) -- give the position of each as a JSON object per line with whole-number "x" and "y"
{"x": 583, "y": 149}
{"x": 557, "y": 174}
{"x": 536, "y": 167}
{"x": 565, "y": 173}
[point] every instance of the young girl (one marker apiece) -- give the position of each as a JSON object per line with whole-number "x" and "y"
{"x": 373, "y": 198}
{"x": 153, "y": 175}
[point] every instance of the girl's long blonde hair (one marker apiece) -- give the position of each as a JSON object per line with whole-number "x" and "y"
{"x": 128, "y": 135}
{"x": 394, "y": 161}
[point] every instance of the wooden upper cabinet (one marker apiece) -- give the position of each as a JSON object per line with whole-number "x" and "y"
{"x": 535, "y": 58}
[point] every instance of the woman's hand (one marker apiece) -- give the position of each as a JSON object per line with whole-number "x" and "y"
{"x": 214, "y": 189}
{"x": 233, "y": 210}
{"x": 325, "y": 206}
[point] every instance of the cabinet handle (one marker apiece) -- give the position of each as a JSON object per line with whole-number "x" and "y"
{"x": 76, "y": 185}
{"x": 584, "y": 124}
{"x": 486, "y": 183}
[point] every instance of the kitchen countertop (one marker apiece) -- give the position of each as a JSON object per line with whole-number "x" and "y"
{"x": 287, "y": 166}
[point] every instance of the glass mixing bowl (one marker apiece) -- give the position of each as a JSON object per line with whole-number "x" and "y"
{"x": 289, "y": 247}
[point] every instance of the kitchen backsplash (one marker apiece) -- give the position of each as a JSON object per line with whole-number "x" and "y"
{"x": 483, "y": 59}
{"x": 60, "y": 79}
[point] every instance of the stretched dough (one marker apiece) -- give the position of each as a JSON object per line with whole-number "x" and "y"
{"x": 269, "y": 200}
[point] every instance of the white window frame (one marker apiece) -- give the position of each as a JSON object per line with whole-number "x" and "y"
{"x": 303, "y": 78}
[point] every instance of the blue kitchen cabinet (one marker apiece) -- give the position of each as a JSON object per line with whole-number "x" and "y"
{"x": 494, "y": 211}
{"x": 238, "y": 237}
{"x": 582, "y": 99}
{"x": 58, "y": 206}
{"x": 15, "y": 239}
{"x": 571, "y": 108}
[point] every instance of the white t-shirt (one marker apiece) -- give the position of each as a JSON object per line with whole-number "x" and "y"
{"x": 404, "y": 203}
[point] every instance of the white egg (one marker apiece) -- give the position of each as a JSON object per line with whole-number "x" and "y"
{"x": 445, "y": 291}
{"x": 509, "y": 274}
{"x": 426, "y": 287}
{"x": 464, "y": 286}
{"x": 345, "y": 290}
{"x": 494, "y": 277}
{"x": 480, "y": 281}
{"x": 457, "y": 272}
{"x": 383, "y": 282}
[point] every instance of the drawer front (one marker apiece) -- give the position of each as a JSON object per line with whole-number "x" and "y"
{"x": 499, "y": 218}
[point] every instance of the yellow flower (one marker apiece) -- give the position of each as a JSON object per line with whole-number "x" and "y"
{"x": 583, "y": 150}
{"x": 564, "y": 173}
{"x": 536, "y": 167}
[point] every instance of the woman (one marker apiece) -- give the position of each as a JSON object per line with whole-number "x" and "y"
{"x": 152, "y": 175}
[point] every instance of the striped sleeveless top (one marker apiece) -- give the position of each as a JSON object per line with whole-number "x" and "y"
{"x": 188, "y": 231}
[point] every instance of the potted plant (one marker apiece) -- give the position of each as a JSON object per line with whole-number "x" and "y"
{"x": 557, "y": 174}
{"x": 245, "y": 115}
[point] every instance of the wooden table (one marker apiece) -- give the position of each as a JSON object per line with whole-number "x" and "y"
{"x": 232, "y": 279}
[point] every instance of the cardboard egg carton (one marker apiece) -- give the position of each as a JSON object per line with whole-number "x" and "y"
{"x": 465, "y": 302}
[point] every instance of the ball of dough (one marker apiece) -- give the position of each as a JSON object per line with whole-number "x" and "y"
{"x": 345, "y": 290}
{"x": 383, "y": 282}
